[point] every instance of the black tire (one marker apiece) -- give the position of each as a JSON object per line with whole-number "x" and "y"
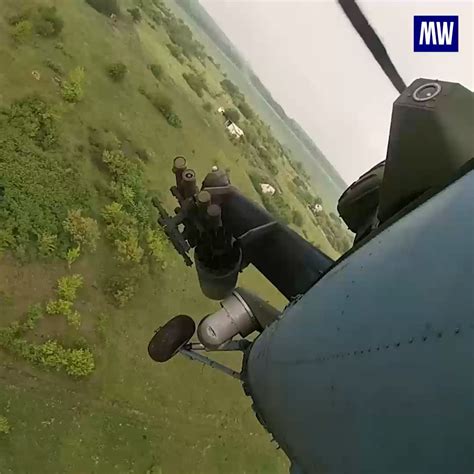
{"x": 171, "y": 337}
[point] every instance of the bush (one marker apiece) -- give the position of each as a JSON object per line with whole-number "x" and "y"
{"x": 47, "y": 22}
{"x": 156, "y": 70}
{"x": 59, "y": 307}
{"x": 174, "y": 120}
{"x": 84, "y": 231}
{"x": 47, "y": 245}
{"x": 297, "y": 218}
{"x": 246, "y": 110}
{"x": 22, "y": 31}
{"x": 196, "y": 82}
{"x": 164, "y": 104}
{"x": 232, "y": 114}
{"x": 33, "y": 316}
{"x": 68, "y": 286}
{"x": 136, "y": 14}
{"x": 207, "y": 107}
{"x": 40, "y": 184}
{"x": 74, "y": 319}
{"x": 157, "y": 243}
{"x": 72, "y": 255}
{"x": 55, "y": 67}
{"x": 4, "y": 425}
{"x": 129, "y": 249}
{"x": 72, "y": 89}
{"x": 79, "y": 362}
{"x": 106, "y": 7}
{"x": 176, "y": 52}
{"x": 117, "y": 71}
{"x": 122, "y": 288}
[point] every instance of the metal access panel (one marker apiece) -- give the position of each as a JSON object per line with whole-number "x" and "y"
{"x": 372, "y": 370}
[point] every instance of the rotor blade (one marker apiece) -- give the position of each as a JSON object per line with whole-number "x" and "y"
{"x": 372, "y": 41}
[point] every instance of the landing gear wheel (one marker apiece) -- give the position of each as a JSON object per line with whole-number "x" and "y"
{"x": 171, "y": 337}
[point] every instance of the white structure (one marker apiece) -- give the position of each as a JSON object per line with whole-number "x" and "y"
{"x": 267, "y": 189}
{"x": 221, "y": 110}
{"x": 233, "y": 129}
{"x": 317, "y": 208}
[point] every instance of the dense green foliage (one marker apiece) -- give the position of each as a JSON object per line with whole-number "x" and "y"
{"x": 181, "y": 36}
{"x": 47, "y": 22}
{"x": 196, "y": 82}
{"x": 232, "y": 114}
{"x": 156, "y": 70}
{"x": 117, "y": 71}
{"x": 164, "y": 104}
{"x": 83, "y": 231}
{"x": 4, "y": 425}
{"x": 246, "y": 110}
{"x": 72, "y": 88}
{"x": 22, "y": 31}
{"x": 40, "y": 185}
{"x": 136, "y": 14}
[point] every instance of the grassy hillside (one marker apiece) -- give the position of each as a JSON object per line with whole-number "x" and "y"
{"x": 92, "y": 111}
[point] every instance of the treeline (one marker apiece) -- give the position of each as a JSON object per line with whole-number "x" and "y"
{"x": 207, "y": 23}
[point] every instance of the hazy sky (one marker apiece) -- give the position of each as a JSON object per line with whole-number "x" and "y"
{"x": 315, "y": 65}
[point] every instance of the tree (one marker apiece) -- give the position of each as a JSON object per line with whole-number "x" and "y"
{"x": 232, "y": 114}
{"x": 246, "y": 110}
{"x": 136, "y": 14}
{"x": 117, "y": 71}
{"x": 297, "y": 218}
{"x": 106, "y": 7}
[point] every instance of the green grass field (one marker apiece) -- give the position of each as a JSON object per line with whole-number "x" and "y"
{"x": 130, "y": 415}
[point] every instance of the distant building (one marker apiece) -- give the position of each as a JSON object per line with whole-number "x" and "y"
{"x": 267, "y": 189}
{"x": 317, "y": 208}
{"x": 233, "y": 129}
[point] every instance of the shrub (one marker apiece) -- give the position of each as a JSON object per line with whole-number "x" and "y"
{"x": 196, "y": 82}
{"x": 176, "y": 51}
{"x": 79, "y": 362}
{"x": 84, "y": 231}
{"x": 246, "y": 110}
{"x": 51, "y": 354}
{"x": 297, "y": 218}
{"x": 156, "y": 70}
{"x": 122, "y": 288}
{"x": 68, "y": 286}
{"x": 55, "y": 67}
{"x": 207, "y": 107}
{"x": 47, "y": 22}
{"x": 33, "y": 316}
{"x": 4, "y": 425}
{"x": 129, "y": 249}
{"x": 72, "y": 255}
{"x": 40, "y": 184}
{"x": 106, "y": 7}
{"x": 59, "y": 307}
{"x": 74, "y": 319}
{"x": 136, "y": 14}
{"x": 47, "y": 244}
{"x": 164, "y": 104}
{"x": 72, "y": 89}
{"x": 101, "y": 325}
{"x": 232, "y": 114}
{"x": 21, "y": 32}
{"x": 174, "y": 120}
{"x": 117, "y": 71}
{"x": 120, "y": 224}
{"x": 157, "y": 243}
